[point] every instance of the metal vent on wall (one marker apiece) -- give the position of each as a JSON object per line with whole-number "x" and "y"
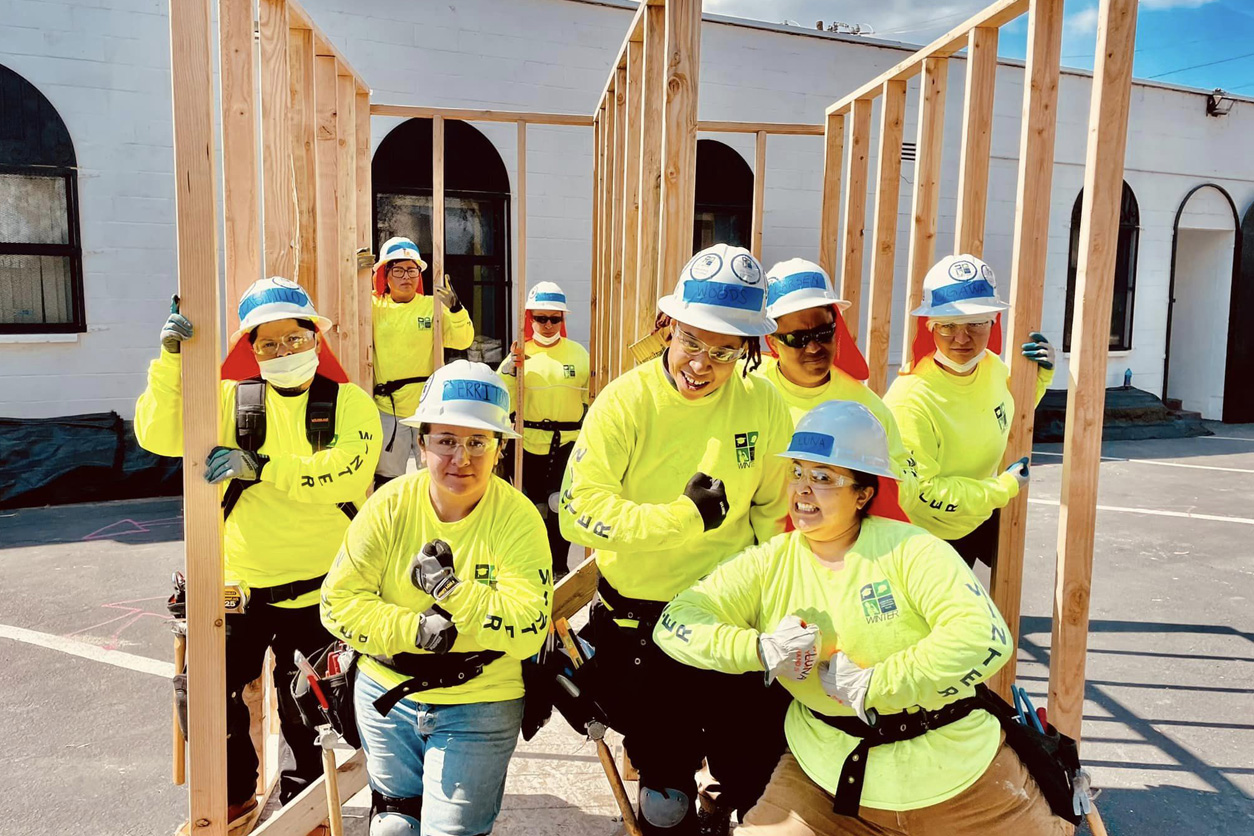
{"x": 908, "y": 150}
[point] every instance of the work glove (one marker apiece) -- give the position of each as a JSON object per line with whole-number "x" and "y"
{"x": 431, "y": 570}
{"x": 448, "y": 297}
{"x": 513, "y": 361}
{"x": 1019, "y": 470}
{"x": 1081, "y": 798}
{"x": 177, "y": 328}
{"x": 790, "y": 651}
{"x": 846, "y": 683}
{"x": 436, "y": 631}
{"x": 1039, "y": 351}
{"x": 231, "y": 463}
{"x": 710, "y": 497}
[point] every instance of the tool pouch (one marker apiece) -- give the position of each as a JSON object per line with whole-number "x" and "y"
{"x": 180, "y": 701}
{"x": 338, "y": 690}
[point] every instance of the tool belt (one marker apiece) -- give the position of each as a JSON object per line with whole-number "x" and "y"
{"x": 557, "y": 428}
{"x": 430, "y": 670}
{"x": 337, "y": 689}
{"x": 386, "y": 390}
{"x": 647, "y": 613}
{"x": 285, "y": 592}
{"x": 1047, "y": 757}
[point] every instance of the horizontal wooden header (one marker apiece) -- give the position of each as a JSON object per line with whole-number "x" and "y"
{"x": 300, "y": 19}
{"x": 576, "y": 120}
{"x": 635, "y": 32}
{"x": 777, "y": 128}
{"x": 955, "y": 40}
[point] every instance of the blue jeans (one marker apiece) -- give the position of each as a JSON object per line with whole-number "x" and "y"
{"x": 453, "y": 756}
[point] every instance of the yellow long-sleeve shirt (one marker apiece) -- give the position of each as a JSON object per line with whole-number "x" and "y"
{"x": 955, "y": 429}
{"x": 903, "y": 603}
{"x": 556, "y": 381}
{"x": 500, "y": 553}
{"x": 641, "y": 443}
{"x": 402, "y": 345}
{"x": 287, "y": 527}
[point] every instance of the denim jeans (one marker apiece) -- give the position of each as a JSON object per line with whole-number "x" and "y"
{"x": 453, "y": 756}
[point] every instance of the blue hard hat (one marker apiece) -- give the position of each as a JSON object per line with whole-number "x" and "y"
{"x": 842, "y": 434}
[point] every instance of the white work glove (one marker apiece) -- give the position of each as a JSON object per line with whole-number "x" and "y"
{"x": 511, "y": 364}
{"x": 790, "y": 651}
{"x": 846, "y": 683}
{"x": 1039, "y": 351}
{"x": 1081, "y": 799}
{"x": 1019, "y": 470}
{"x": 448, "y": 298}
{"x": 431, "y": 570}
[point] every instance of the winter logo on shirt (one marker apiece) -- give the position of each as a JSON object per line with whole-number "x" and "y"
{"x": 568, "y": 371}
{"x": 746, "y": 444}
{"x": 878, "y": 603}
{"x": 424, "y": 323}
{"x": 485, "y": 573}
{"x": 1000, "y": 412}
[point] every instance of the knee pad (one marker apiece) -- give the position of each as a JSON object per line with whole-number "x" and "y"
{"x": 664, "y": 808}
{"x": 394, "y": 816}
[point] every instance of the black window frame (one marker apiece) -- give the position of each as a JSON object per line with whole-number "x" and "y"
{"x": 1127, "y": 249}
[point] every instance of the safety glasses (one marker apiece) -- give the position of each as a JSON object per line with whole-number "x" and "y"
{"x": 717, "y": 353}
{"x": 824, "y": 334}
{"x": 949, "y": 330}
{"x": 295, "y": 342}
{"x": 819, "y": 479}
{"x": 448, "y": 445}
{"x": 546, "y": 320}
{"x": 402, "y": 272}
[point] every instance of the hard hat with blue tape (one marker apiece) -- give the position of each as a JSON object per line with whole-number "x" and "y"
{"x": 465, "y": 394}
{"x": 959, "y": 286}
{"x": 273, "y": 299}
{"x": 400, "y": 249}
{"x": 842, "y": 434}
{"x": 546, "y": 296}
{"x": 723, "y": 290}
{"x": 795, "y": 285}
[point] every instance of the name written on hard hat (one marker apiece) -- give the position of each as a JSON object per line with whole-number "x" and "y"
{"x": 475, "y": 390}
{"x": 724, "y": 295}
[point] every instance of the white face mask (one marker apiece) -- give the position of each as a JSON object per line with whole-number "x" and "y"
{"x": 543, "y": 340}
{"x": 291, "y": 371}
{"x": 954, "y": 366}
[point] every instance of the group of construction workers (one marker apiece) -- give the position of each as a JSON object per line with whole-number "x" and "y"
{"x": 786, "y": 593}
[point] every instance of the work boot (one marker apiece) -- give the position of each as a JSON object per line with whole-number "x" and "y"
{"x": 237, "y": 815}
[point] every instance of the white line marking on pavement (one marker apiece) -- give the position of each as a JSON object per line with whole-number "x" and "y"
{"x": 1227, "y": 438}
{"x": 1154, "y": 512}
{"x": 88, "y": 651}
{"x": 1157, "y": 462}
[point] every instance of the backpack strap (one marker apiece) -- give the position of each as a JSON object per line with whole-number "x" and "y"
{"x": 250, "y": 433}
{"x": 324, "y": 393}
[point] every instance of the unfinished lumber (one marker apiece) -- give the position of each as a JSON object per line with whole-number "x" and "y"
{"x": 615, "y": 352}
{"x": 858, "y": 140}
{"x": 575, "y": 120}
{"x": 612, "y": 230}
{"x": 521, "y": 295}
{"x": 437, "y": 241}
{"x": 303, "y": 133}
{"x": 346, "y": 212}
{"x": 309, "y": 809}
{"x": 977, "y": 141}
{"x": 325, "y": 159}
{"x": 594, "y": 290}
{"x": 240, "y": 190}
{"x": 364, "y": 374}
{"x": 829, "y": 217}
{"x": 629, "y": 297}
{"x": 884, "y": 235}
{"x": 279, "y": 205}
{"x": 759, "y": 194}
{"x": 650, "y": 284}
{"x": 679, "y": 136}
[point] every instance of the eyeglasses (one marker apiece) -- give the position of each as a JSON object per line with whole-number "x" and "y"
{"x": 400, "y": 272}
{"x": 820, "y": 480}
{"x": 547, "y": 320}
{"x": 295, "y": 342}
{"x": 717, "y": 353}
{"x": 448, "y": 445}
{"x": 973, "y": 329}
{"x": 824, "y": 334}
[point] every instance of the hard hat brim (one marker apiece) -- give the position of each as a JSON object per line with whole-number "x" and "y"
{"x": 422, "y": 265}
{"x": 546, "y": 306}
{"x": 842, "y": 461}
{"x": 965, "y": 307}
{"x": 785, "y": 307}
{"x": 324, "y": 324}
{"x": 456, "y": 421}
{"x": 699, "y": 317}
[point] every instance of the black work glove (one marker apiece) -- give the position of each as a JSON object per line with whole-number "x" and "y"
{"x": 710, "y": 497}
{"x": 431, "y": 570}
{"x": 436, "y": 631}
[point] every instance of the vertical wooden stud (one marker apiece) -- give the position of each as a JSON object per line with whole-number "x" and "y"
{"x": 594, "y": 326}
{"x": 884, "y": 236}
{"x": 829, "y": 218}
{"x": 1090, "y": 333}
{"x": 929, "y": 148}
{"x": 679, "y": 136}
{"x": 364, "y": 374}
{"x": 346, "y": 209}
{"x": 858, "y": 126}
{"x": 437, "y": 239}
{"x": 977, "y": 140}
{"x": 759, "y": 194}
{"x": 240, "y": 193}
{"x": 616, "y": 346}
{"x": 1027, "y": 286}
{"x": 521, "y": 203}
{"x": 651, "y": 284}
{"x": 631, "y": 205}
{"x": 325, "y": 156}
{"x": 612, "y": 230}
{"x": 279, "y": 206}
{"x": 191, "y": 71}
{"x": 303, "y": 131}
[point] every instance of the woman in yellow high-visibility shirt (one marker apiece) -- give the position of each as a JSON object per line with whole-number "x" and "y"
{"x": 556, "y": 380}
{"x": 954, "y": 407}
{"x": 443, "y": 583}
{"x": 866, "y": 621}
{"x": 403, "y": 337}
{"x": 674, "y": 471}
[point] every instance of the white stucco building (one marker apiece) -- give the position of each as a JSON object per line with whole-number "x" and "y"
{"x": 87, "y": 225}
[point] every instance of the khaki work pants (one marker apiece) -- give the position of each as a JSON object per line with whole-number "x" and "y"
{"x": 1004, "y": 801}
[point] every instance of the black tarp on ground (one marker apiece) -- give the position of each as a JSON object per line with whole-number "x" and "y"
{"x": 79, "y": 458}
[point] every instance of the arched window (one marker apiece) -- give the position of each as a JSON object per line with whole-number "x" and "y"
{"x": 1125, "y": 272}
{"x": 476, "y": 218}
{"x": 41, "y": 257}
{"x": 724, "y": 205}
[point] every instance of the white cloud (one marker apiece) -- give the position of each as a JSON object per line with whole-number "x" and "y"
{"x": 1083, "y": 22}
{"x": 1174, "y": 4}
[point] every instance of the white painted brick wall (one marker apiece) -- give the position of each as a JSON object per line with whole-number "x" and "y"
{"x": 105, "y": 65}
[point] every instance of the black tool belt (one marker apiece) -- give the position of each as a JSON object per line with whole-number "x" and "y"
{"x": 284, "y": 592}
{"x": 555, "y": 427}
{"x": 646, "y": 612}
{"x": 888, "y": 728}
{"x": 385, "y": 390}
{"x": 431, "y": 670}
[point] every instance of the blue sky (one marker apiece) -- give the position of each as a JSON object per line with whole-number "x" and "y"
{"x": 1198, "y": 43}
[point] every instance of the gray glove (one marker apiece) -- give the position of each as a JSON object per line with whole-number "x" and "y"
{"x": 448, "y": 298}
{"x": 1019, "y": 470}
{"x": 431, "y": 570}
{"x": 436, "y": 631}
{"x": 231, "y": 463}
{"x": 710, "y": 497}
{"x": 177, "y": 328}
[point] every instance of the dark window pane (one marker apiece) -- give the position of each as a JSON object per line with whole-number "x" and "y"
{"x": 1121, "y": 309}
{"x": 35, "y": 290}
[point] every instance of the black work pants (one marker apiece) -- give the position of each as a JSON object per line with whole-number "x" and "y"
{"x": 250, "y": 633}
{"x": 673, "y": 717}
{"x": 980, "y": 544}
{"x": 542, "y": 477}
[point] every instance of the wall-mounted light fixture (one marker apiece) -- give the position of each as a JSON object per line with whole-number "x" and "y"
{"x": 1219, "y": 103}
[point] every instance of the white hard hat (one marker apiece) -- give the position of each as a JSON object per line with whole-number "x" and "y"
{"x": 842, "y": 434}
{"x": 546, "y": 296}
{"x": 959, "y": 286}
{"x": 400, "y": 249}
{"x": 797, "y": 284}
{"x": 465, "y": 394}
{"x": 272, "y": 299}
{"x": 722, "y": 289}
